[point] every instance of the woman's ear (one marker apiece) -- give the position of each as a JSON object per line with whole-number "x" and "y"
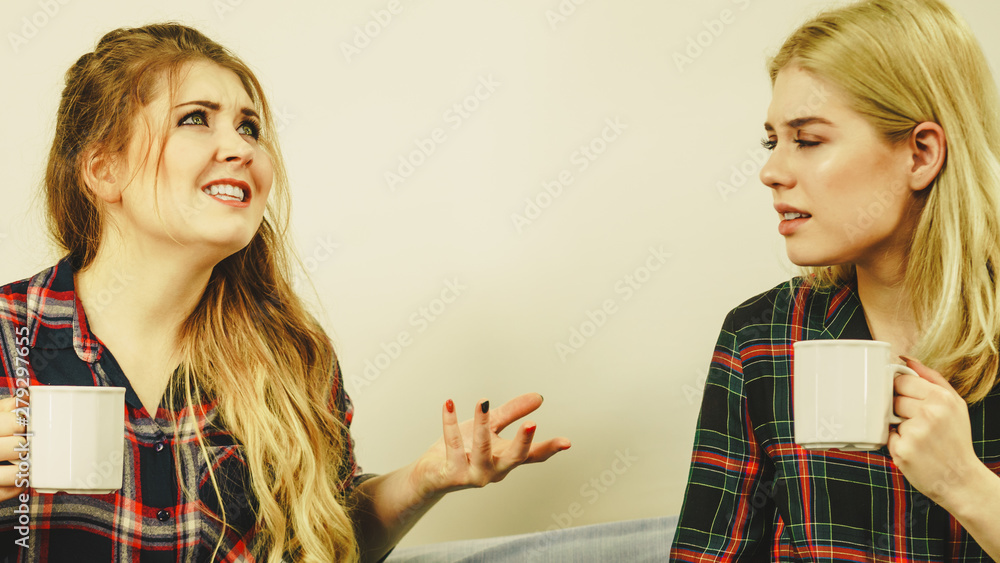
{"x": 929, "y": 148}
{"x": 101, "y": 176}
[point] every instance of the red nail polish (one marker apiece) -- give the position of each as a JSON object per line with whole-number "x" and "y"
{"x": 450, "y": 405}
{"x": 530, "y": 429}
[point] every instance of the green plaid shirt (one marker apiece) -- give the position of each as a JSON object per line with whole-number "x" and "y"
{"x": 754, "y": 495}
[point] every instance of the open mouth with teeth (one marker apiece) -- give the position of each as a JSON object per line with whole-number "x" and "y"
{"x": 225, "y": 192}
{"x": 792, "y": 216}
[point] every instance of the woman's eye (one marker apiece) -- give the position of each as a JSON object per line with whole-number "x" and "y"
{"x": 194, "y": 118}
{"x": 768, "y": 144}
{"x": 249, "y": 128}
{"x": 803, "y": 144}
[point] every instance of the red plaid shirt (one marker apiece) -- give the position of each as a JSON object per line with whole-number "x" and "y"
{"x": 755, "y": 495}
{"x": 149, "y": 519}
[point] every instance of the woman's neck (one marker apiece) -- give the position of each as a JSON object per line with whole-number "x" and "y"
{"x": 887, "y": 305}
{"x": 139, "y": 301}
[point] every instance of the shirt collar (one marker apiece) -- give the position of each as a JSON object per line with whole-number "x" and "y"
{"x": 844, "y": 317}
{"x": 56, "y": 320}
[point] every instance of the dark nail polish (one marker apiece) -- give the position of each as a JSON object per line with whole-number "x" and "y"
{"x": 485, "y": 406}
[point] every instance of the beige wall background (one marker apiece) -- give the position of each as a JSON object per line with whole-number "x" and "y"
{"x": 557, "y": 196}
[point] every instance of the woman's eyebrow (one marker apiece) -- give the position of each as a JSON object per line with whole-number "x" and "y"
{"x": 216, "y": 107}
{"x": 801, "y": 121}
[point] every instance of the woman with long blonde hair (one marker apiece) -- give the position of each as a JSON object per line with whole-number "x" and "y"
{"x": 884, "y": 127}
{"x": 166, "y": 191}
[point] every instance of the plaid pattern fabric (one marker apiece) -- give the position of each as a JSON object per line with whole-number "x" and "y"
{"x": 754, "y": 495}
{"x": 150, "y": 519}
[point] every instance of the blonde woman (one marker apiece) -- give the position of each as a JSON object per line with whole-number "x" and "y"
{"x": 884, "y": 127}
{"x": 165, "y": 173}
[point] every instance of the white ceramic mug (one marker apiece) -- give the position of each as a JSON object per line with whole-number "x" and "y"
{"x": 76, "y": 439}
{"x": 843, "y": 394}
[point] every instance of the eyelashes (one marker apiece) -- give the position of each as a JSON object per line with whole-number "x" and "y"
{"x": 249, "y": 126}
{"x": 770, "y": 145}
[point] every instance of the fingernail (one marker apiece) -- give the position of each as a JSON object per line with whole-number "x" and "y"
{"x": 908, "y": 359}
{"x": 485, "y": 406}
{"x": 530, "y": 429}
{"x": 450, "y": 405}
{"x": 564, "y": 448}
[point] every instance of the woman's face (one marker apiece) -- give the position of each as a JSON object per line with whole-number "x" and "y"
{"x": 213, "y": 179}
{"x": 841, "y": 192}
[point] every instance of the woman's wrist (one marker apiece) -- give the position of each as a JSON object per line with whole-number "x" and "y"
{"x": 973, "y": 487}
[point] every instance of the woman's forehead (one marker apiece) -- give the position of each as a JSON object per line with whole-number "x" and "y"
{"x": 208, "y": 80}
{"x": 799, "y": 93}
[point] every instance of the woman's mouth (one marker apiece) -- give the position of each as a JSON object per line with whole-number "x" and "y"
{"x": 791, "y": 222}
{"x": 225, "y": 192}
{"x": 228, "y": 191}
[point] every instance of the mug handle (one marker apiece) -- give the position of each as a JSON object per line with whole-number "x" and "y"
{"x": 898, "y": 369}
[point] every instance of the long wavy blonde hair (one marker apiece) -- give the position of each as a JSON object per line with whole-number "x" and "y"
{"x": 250, "y": 345}
{"x": 902, "y": 63}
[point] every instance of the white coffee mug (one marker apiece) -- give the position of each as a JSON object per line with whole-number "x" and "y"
{"x": 843, "y": 394}
{"x": 76, "y": 439}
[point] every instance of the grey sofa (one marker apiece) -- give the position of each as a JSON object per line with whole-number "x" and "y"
{"x": 633, "y": 541}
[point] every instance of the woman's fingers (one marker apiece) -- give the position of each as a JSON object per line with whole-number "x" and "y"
{"x": 514, "y": 409}
{"x": 9, "y": 446}
{"x": 518, "y": 450}
{"x": 906, "y": 407}
{"x": 544, "y": 450}
{"x": 8, "y": 420}
{"x": 453, "y": 444}
{"x": 8, "y": 476}
{"x": 481, "y": 455}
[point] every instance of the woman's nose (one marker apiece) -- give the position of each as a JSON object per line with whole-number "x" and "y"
{"x": 775, "y": 173}
{"x": 234, "y": 148}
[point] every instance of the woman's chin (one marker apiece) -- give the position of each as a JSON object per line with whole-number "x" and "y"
{"x": 805, "y": 260}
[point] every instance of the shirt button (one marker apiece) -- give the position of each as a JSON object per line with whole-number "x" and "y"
{"x": 160, "y": 446}
{"x": 163, "y": 516}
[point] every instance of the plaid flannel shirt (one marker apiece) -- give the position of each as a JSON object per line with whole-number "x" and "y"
{"x": 149, "y": 519}
{"x": 754, "y": 495}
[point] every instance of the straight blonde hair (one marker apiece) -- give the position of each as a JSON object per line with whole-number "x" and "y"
{"x": 902, "y": 63}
